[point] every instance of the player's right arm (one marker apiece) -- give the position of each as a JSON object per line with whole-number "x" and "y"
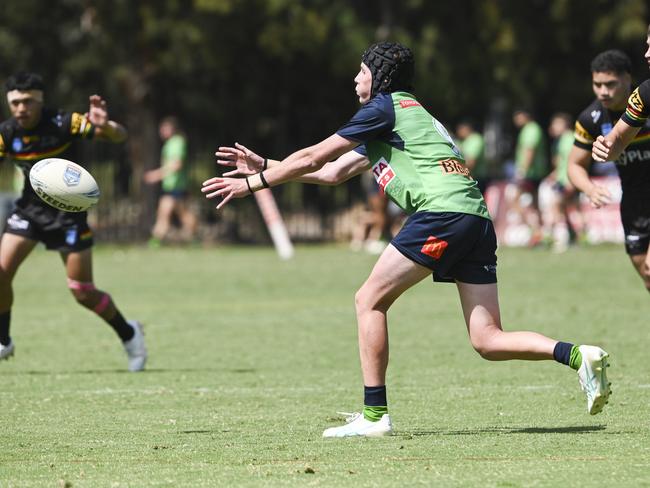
{"x": 578, "y": 171}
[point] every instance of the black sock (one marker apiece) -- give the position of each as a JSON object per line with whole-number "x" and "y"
{"x": 562, "y": 352}
{"x": 374, "y": 396}
{"x": 123, "y": 329}
{"x": 5, "y": 318}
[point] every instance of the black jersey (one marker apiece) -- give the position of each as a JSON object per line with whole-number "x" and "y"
{"x": 634, "y": 163}
{"x": 52, "y": 137}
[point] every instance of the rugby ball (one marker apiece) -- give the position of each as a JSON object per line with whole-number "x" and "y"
{"x": 64, "y": 185}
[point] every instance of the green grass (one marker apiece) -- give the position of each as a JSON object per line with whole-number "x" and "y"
{"x": 251, "y": 357}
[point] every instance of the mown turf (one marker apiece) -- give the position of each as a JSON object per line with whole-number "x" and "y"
{"x": 251, "y": 357}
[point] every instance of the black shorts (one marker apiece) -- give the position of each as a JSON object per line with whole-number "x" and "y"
{"x": 637, "y": 233}
{"x": 455, "y": 246}
{"x": 60, "y": 231}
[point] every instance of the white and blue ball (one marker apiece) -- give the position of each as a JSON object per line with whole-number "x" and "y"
{"x": 64, "y": 185}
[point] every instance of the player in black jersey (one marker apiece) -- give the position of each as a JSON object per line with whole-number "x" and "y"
{"x": 629, "y": 141}
{"x": 29, "y": 135}
{"x": 612, "y": 85}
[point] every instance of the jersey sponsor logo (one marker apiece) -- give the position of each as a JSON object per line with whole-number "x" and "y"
{"x": 409, "y": 103}
{"x": 490, "y": 268}
{"x": 633, "y": 156}
{"x": 16, "y": 223}
{"x": 595, "y": 115}
{"x": 383, "y": 173}
{"x": 606, "y": 128}
{"x": 434, "y": 247}
{"x": 71, "y": 176}
{"x": 451, "y": 166}
{"x": 17, "y": 144}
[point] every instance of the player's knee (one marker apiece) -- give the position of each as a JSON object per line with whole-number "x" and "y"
{"x": 366, "y": 300}
{"x": 86, "y": 294}
{"x": 485, "y": 346}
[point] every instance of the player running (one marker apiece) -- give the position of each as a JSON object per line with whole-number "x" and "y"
{"x": 449, "y": 232}
{"x": 611, "y": 82}
{"x": 31, "y": 134}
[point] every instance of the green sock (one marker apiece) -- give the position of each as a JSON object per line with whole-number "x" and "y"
{"x": 576, "y": 358}
{"x": 374, "y": 414}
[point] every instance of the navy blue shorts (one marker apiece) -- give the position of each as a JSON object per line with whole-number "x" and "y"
{"x": 455, "y": 246}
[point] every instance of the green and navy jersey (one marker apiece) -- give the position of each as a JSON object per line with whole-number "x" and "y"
{"x": 531, "y": 137}
{"x": 414, "y": 160}
{"x": 175, "y": 149}
{"x": 633, "y": 165}
{"x": 638, "y": 106}
{"x": 52, "y": 137}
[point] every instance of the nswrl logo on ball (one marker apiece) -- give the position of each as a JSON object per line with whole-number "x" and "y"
{"x": 71, "y": 176}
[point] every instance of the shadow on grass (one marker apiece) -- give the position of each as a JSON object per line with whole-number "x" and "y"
{"x": 575, "y": 429}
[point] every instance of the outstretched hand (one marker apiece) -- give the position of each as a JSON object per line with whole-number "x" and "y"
{"x": 98, "y": 112}
{"x": 245, "y": 161}
{"x": 600, "y": 149}
{"x": 225, "y": 188}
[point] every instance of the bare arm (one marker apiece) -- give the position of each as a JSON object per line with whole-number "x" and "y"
{"x": 302, "y": 162}
{"x": 529, "y": 154}
{"x": 579, "y": 162}
{"x": 335, "y": 172}
{"x": 610, "y": 147}
{"x": 105, "y": 129}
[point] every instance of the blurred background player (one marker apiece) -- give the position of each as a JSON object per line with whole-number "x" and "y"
{"x": 530, "y": 169}
{"x": 472, "y": 145}
{"x": 33, "y": 133}
{"x": 556, "y": 193}
{"x": 449, "y": 234}
{"x": 173, "y": 173}
{"x": 611, "y": 82}
{"x": 629, "y": 144}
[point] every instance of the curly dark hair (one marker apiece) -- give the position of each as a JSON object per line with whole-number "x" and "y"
{"x": 613, "y": 60}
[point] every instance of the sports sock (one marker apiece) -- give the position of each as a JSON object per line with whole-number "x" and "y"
{"x": 5, "y": 318}
{"x": 375, "y": 404}
{"x": 123, "y": 329}
{"x": 576, "y": 358}
{"x": 567, "y": 353}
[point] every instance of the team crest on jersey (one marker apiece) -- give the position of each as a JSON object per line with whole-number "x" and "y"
{"x": 17, "y": 144}
{"x": 595, "y": 115}
{"x": 606, "y": 128}
{"x": 635, "y": 100}
{"x": 71, "y": 176}
{"x": 384, "y": 174}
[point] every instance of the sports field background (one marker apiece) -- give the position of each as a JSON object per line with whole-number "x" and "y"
{"x": 251, "y": 357}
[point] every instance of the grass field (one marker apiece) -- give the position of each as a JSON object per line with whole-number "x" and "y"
{"x": 251, "y": 357}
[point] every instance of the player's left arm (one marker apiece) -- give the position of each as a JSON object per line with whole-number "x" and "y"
{"x": 302, "y": 162}
{"x": 105, "y": 129}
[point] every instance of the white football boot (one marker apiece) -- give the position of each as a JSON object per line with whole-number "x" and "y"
{"x": 593, "y": 377}
{"x": 357, "y": 425}
{"x": 135, "y": 348}
{"x": 7, "y": 351}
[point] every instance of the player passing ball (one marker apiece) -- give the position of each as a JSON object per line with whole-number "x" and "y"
{"x": 449, "y": 233}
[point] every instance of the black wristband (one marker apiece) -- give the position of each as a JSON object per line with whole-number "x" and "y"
{"x": 249, "y": 186}
{"x": 264, "y": 182}
{"x": 265, "y": 165}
